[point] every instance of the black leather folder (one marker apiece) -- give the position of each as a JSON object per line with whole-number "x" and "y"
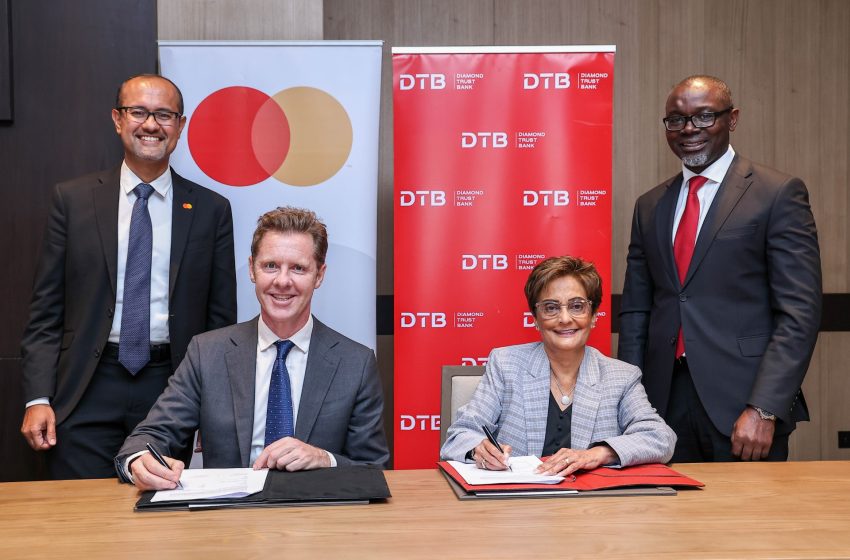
{"x": 332, "y": 486}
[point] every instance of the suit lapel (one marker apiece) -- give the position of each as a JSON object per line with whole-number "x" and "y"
{"x": 105, "y": 198}
{"x": 664, "y": 214}
{"x": 182, "y": 213}
{"x": 733, "y": 187}
{"x": 586, "y": 401}
{"x": 536, "y": 391}
{"x": 322, "y": 363}
{"x": 241, "y": 360}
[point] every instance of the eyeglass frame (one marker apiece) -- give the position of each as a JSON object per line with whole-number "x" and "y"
{"x": 714, "y": 115}
{"x": 588, "y": 310}
{"x": 172, "y": 114}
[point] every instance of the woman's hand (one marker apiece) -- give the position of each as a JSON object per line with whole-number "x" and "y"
{"x": 566, "y": 461}
{"x": 488, "y": 456}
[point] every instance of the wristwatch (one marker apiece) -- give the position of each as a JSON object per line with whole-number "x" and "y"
{"x": 470, "y": 455}
{"x": 765, "y": 415}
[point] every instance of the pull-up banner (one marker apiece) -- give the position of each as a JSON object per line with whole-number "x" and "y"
{"x": 502, "y": 158}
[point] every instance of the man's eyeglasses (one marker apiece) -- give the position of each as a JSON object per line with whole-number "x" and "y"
{"x": 576, "y": 307}
{"x": 701, "y": 120}
{"x": 140, "y": 115}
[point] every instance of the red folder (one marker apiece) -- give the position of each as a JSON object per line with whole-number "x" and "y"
{"x": 602, "y": 478}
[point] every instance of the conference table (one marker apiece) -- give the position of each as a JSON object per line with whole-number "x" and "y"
{"x": 746, "y": 510}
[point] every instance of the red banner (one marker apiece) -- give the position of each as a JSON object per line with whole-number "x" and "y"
{"x": 501, "y": 160}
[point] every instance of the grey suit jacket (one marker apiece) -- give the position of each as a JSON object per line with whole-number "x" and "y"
{"x": 73, "y": 298}
{"x": 213, "y": 389}
{"x": 750, "y": 304}
{"x": 610, "y": 406}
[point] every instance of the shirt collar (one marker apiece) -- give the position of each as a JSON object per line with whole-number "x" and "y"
{"x": 301, "y": 339}
{"x": 130, "y": 180}
{"x": 714, "y": 172}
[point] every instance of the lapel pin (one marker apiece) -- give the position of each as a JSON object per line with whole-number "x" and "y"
{"x": 187, "y": 206}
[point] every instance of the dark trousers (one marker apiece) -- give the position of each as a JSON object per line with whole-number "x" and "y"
{"x": 114, "y": 402}
{"x": 699, "y": 441}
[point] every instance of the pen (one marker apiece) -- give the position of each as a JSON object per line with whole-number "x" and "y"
{"x": 160, "y": 460}
{"x": 492, "y": 439}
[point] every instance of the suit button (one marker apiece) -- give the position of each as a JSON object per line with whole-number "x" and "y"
{"x": 97, "y": 353}
{"x": 683, "y": 297}
{"x": 110, "y": 312}
{"x": 672, "y": 340}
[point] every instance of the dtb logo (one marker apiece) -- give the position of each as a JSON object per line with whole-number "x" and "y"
{"x": 527, "y": 320}
{"x": 474, "y": 361}
{"x": 408, "y": 82}
{"x": 545, "y": 198}
{"x": 484, "y": 262}
{"x": 422, "y": 421}
{"x": 546, "y": 80}
{"x": 483, "y": 139}
{"x": 423, "y": 319}
{"x": 422, "y": 198}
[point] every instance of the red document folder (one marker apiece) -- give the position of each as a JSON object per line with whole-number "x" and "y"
{"x": 652, "y": 476}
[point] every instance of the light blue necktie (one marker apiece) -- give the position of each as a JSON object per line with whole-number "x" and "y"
{"x": 134, "y": 345}
{"x": 279, "y": 417}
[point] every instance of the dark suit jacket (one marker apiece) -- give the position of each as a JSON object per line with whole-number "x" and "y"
{"x": 750, "y": 305}
{"x": 74, "y": 290}
{"x": 213, "y": 389}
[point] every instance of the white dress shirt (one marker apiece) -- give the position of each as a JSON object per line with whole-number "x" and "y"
{"x": 715, "y": 174}
{"x": 159, "y": 206}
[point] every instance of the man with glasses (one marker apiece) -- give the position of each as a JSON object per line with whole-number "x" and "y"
{"x": 136, "y": 261}
{"x": 722, "y": 297}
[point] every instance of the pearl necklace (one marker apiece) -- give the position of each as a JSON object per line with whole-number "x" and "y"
{"x": 565, "y": 398}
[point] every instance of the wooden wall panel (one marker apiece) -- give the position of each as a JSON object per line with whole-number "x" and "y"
{"x": 239, "y": 20}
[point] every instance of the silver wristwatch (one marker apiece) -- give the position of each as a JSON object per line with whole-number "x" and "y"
{"x": 765, "y": 415}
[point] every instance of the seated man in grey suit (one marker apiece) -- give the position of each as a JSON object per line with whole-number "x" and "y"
{"x": 282, "y": 390}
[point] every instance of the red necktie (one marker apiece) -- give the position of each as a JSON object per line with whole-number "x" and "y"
{"x": 683, "y": 243}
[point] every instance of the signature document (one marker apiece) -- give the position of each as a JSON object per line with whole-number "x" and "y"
{"x": 201, "y": 484}
{"x": 522, "y": 473}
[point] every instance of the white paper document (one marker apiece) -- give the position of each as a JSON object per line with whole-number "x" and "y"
{"x": 199, "y": 484}
{"x": 522, "y": 473}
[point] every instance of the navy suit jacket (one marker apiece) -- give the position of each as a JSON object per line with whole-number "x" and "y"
{"x": 74, "y": 291}
{"x": 750, "y": 305}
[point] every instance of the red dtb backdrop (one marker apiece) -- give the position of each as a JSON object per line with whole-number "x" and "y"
{"x": 501, "y": 160}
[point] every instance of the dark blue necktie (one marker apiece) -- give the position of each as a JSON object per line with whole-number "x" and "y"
{"x": 134, "y": 345}
{"x": 279, "y": 418}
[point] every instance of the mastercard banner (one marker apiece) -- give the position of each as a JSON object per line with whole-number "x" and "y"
{"x": 289, "y": 123}
{"x": 502, "y": 158}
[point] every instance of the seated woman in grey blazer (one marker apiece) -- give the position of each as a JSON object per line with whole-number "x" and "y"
{"x": 560, "y": 397}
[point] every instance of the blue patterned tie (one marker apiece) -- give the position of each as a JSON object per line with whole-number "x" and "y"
{"x": 279, "y": 418}
{"x": 134, "y": 345}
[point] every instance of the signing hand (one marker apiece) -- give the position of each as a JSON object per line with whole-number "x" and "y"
{"x": 752, "y": 436}
{"x": 148, "y": 474}
{"x": 488, "y": 456}
{"x": 566, "y": 461}
{"x": 292, "y": 455}
{"x": 39, "y": 427}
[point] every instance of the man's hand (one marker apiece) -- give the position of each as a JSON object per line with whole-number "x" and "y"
{"x": 148, "y": 474}
{"x": 39, "y": 427}
{"x": 752, "y": 436}
{"x": 292, "y": 455}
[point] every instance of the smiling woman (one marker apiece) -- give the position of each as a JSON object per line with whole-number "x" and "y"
{"x": 560, "y": 397}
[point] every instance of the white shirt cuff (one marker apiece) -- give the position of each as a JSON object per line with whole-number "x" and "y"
{"x": 40, "y": 400}
{"x": 129, "y": 460}
{"x": 332, "y": 458}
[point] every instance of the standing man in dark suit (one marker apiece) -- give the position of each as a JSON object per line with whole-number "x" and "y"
{"x": 722, "y": 298}
{"x": 282, "y": 390}
{"x": 136, "y": 261}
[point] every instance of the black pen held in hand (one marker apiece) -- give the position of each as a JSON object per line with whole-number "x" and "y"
{"x": 159, "y": 459}
{"x": 492, "y": 439}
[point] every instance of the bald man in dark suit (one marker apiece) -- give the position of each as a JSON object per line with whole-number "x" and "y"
{"x": 722, "y": 298}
